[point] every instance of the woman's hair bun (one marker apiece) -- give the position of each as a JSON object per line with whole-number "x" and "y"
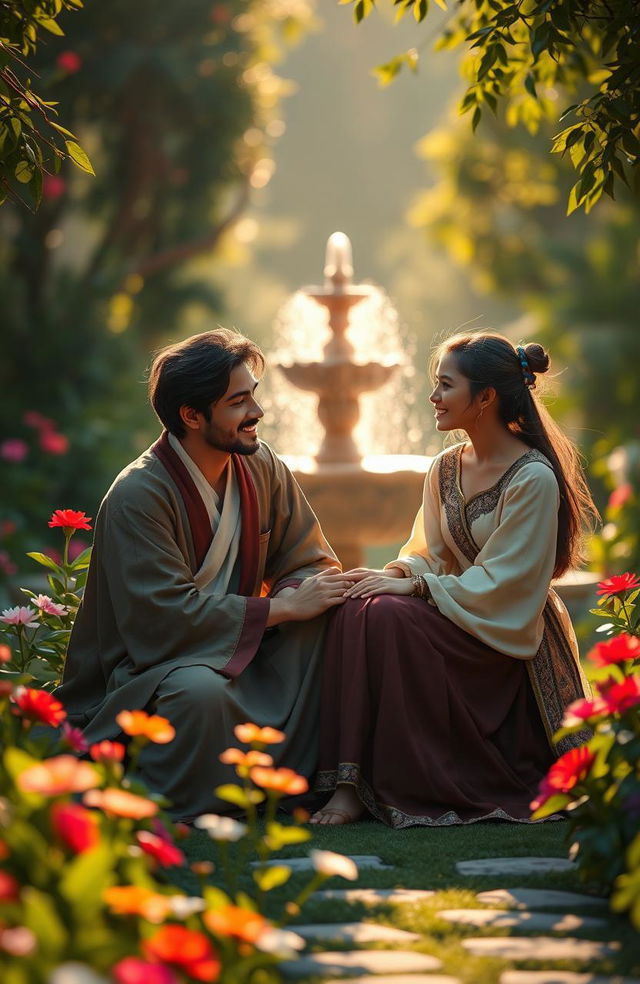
{"x": 537, "y": 357}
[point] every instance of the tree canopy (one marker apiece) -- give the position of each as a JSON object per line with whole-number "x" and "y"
{"x": 32, "y": 141}
{"x": 576, "y": 62}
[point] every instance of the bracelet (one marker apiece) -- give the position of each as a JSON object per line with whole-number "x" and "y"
{"x": 420, "y": 588}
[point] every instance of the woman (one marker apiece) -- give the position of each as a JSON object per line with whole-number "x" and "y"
{"x": 447, "y": 673}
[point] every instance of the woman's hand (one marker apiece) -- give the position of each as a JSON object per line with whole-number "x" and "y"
{"x": 359, "y": 573}
{"x": 379, "y": 582}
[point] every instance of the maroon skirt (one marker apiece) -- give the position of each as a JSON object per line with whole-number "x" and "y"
{"x": 430, "y": 726}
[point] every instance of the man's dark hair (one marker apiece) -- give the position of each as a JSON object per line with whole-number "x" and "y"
{"x": 195, "y": 373}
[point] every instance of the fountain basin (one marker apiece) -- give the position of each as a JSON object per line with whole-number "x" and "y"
{"x": 366, "y": 504}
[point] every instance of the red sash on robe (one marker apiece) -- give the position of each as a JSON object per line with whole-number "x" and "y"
{"x": 198, "y": 516}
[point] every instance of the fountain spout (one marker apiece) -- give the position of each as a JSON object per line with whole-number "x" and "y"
{"x": 338, "y": 380}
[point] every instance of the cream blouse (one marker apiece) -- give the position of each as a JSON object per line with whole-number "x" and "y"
{"x": 488, "y": 562}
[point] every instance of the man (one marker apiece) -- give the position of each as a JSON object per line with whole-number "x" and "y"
{"x": 203, "y": 546}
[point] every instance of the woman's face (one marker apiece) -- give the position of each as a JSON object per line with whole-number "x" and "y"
{"x": 451, "y": 397}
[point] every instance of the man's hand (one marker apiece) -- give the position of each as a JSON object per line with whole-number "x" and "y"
{"x": 314, "y": 596}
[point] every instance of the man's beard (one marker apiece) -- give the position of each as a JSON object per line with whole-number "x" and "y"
{"x": 215, "y": 440}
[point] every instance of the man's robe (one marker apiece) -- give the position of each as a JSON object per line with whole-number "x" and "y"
{"x": 142, "y": 618}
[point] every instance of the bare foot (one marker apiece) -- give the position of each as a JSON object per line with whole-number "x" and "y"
{"x": 343, "y": 807}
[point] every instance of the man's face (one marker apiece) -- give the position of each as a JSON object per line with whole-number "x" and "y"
{"x": 235, "y": 417}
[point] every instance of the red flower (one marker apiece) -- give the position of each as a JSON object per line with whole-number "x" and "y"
{"x": 618, "y": 583}
{"x": 622, "y": 696}
{"x": 132, "y": 970}
{"x": 33, "y": 418}
{"x": 190, "y": 951}
{"x": 54, "y": 443}
{"x": 69, "y": 62}
{"x": 38, "y": 705}
{"x": 9, "y": 888}
{"x": 107, "y": 751}
{"x": 160, "y": 848}
{"x": 70, "y": 520}
{"x": 620, "y": 495}
{"x": 76, "y": 827}
{"x": 616, "y": 650}
{"x": 583, "y": 710}
{"x": 569, "y": 769}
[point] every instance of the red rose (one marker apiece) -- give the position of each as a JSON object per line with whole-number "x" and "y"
{"x": 618, "y": 583}
{"x": 76, "y": 827}
{"x": 70, "y": 520}
{"x": 160, "y": 848}
{"x": 615, "y": 650}
{"x": 569, "y": 769}
{"x": 38, "y": 705}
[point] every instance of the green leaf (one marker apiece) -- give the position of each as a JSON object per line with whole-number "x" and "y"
{"x": 279, "y": 835}
{"x": 530, "y": 85}
{"x": 420, "y": 9}
{"x": 553, "y": 805}
{"x": 45, "y": 561}
{"x": 24, "y": 172}
{"x": 86, "y": 877}
{"x": 475, "y": 119}
{"x": 272, "y": 877}
{"x": 82, "y": 560}
{"x": 78, "y": 156}
{"x": 50, "y": 25}
{"x": 238, "y": 796}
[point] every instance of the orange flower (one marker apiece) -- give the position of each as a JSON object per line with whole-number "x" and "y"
{"x": 58, "y": 776}
{"x": 76, "y": 827}
{"x": 234, "y": 921}
{"x": 120, "y": 803}
{"x": 70, "y": 520}
{"x": 234, "y": 756}
{"x": 107, "y": 751}
{"x": 249, "y": 733}
{"x": 190, "y": 951}
{"x": 131, "y": 900}
{"x": 151, "y": 726}
{"x": 281, "y": 780}
{"x": 5, "y": 654}
{"x": 38, "y": 705}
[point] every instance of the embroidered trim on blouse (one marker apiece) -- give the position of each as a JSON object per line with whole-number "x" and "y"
{"x": 486, "y": 501}
{"x": 349, "y": 772}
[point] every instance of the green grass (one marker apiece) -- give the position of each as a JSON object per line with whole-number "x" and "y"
{"x": 425, "y": 858}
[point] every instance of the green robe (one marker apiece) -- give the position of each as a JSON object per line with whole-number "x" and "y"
{"x": 145, "y": 637}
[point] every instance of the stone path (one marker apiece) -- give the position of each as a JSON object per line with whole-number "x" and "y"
{"x": 365, "y": 862}
{"x": 516, "y": 909}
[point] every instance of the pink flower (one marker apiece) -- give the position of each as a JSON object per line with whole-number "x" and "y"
{"x": 17, "y": 941}
{"x": 54, "y": 443}
{"x": 14, "y": 449}
{"x": 583, "y": 710}
{"x": 46, "y": 604}
{"x": 107, "y": 751}
{"x": 76, "y": 547}
{"x": 58, "y": 776}
{"x": 160, "y": 848}
{"x": 616, "y": 650}
{"x": 618, "y": 583}
{"x": 7, "y": 566}
{"x": 620, "y": 495}
{"x": 20, "y": 615}
{"x": 69, "y": 62}
{"x": 74, "y": 738}
{"x": 133, "y": 970}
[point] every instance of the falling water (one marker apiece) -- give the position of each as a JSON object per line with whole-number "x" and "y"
{"x": 391, "y": 421}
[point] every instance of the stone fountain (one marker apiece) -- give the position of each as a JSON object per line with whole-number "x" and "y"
{"x": 362, "y": 500}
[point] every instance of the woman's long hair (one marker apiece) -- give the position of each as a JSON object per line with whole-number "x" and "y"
{"x": 490, "y": 360}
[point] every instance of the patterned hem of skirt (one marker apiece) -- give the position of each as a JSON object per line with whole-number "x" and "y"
{"x": 349, "y": 772}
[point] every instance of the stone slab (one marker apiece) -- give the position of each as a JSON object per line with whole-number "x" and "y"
{"x": 399, "y": 979}
{"x": 360, "y": 962}
{"x": 532, "y": 898}
{"x": 560, "y": 977}
{"x": 365, "y": 862}
{"x": 374, "y": 896}
{"x": 536, "y": 922}
{"x": 356, "y": 932}
{"x": 514, "y": 866}
{"x": 539, "y": 948}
